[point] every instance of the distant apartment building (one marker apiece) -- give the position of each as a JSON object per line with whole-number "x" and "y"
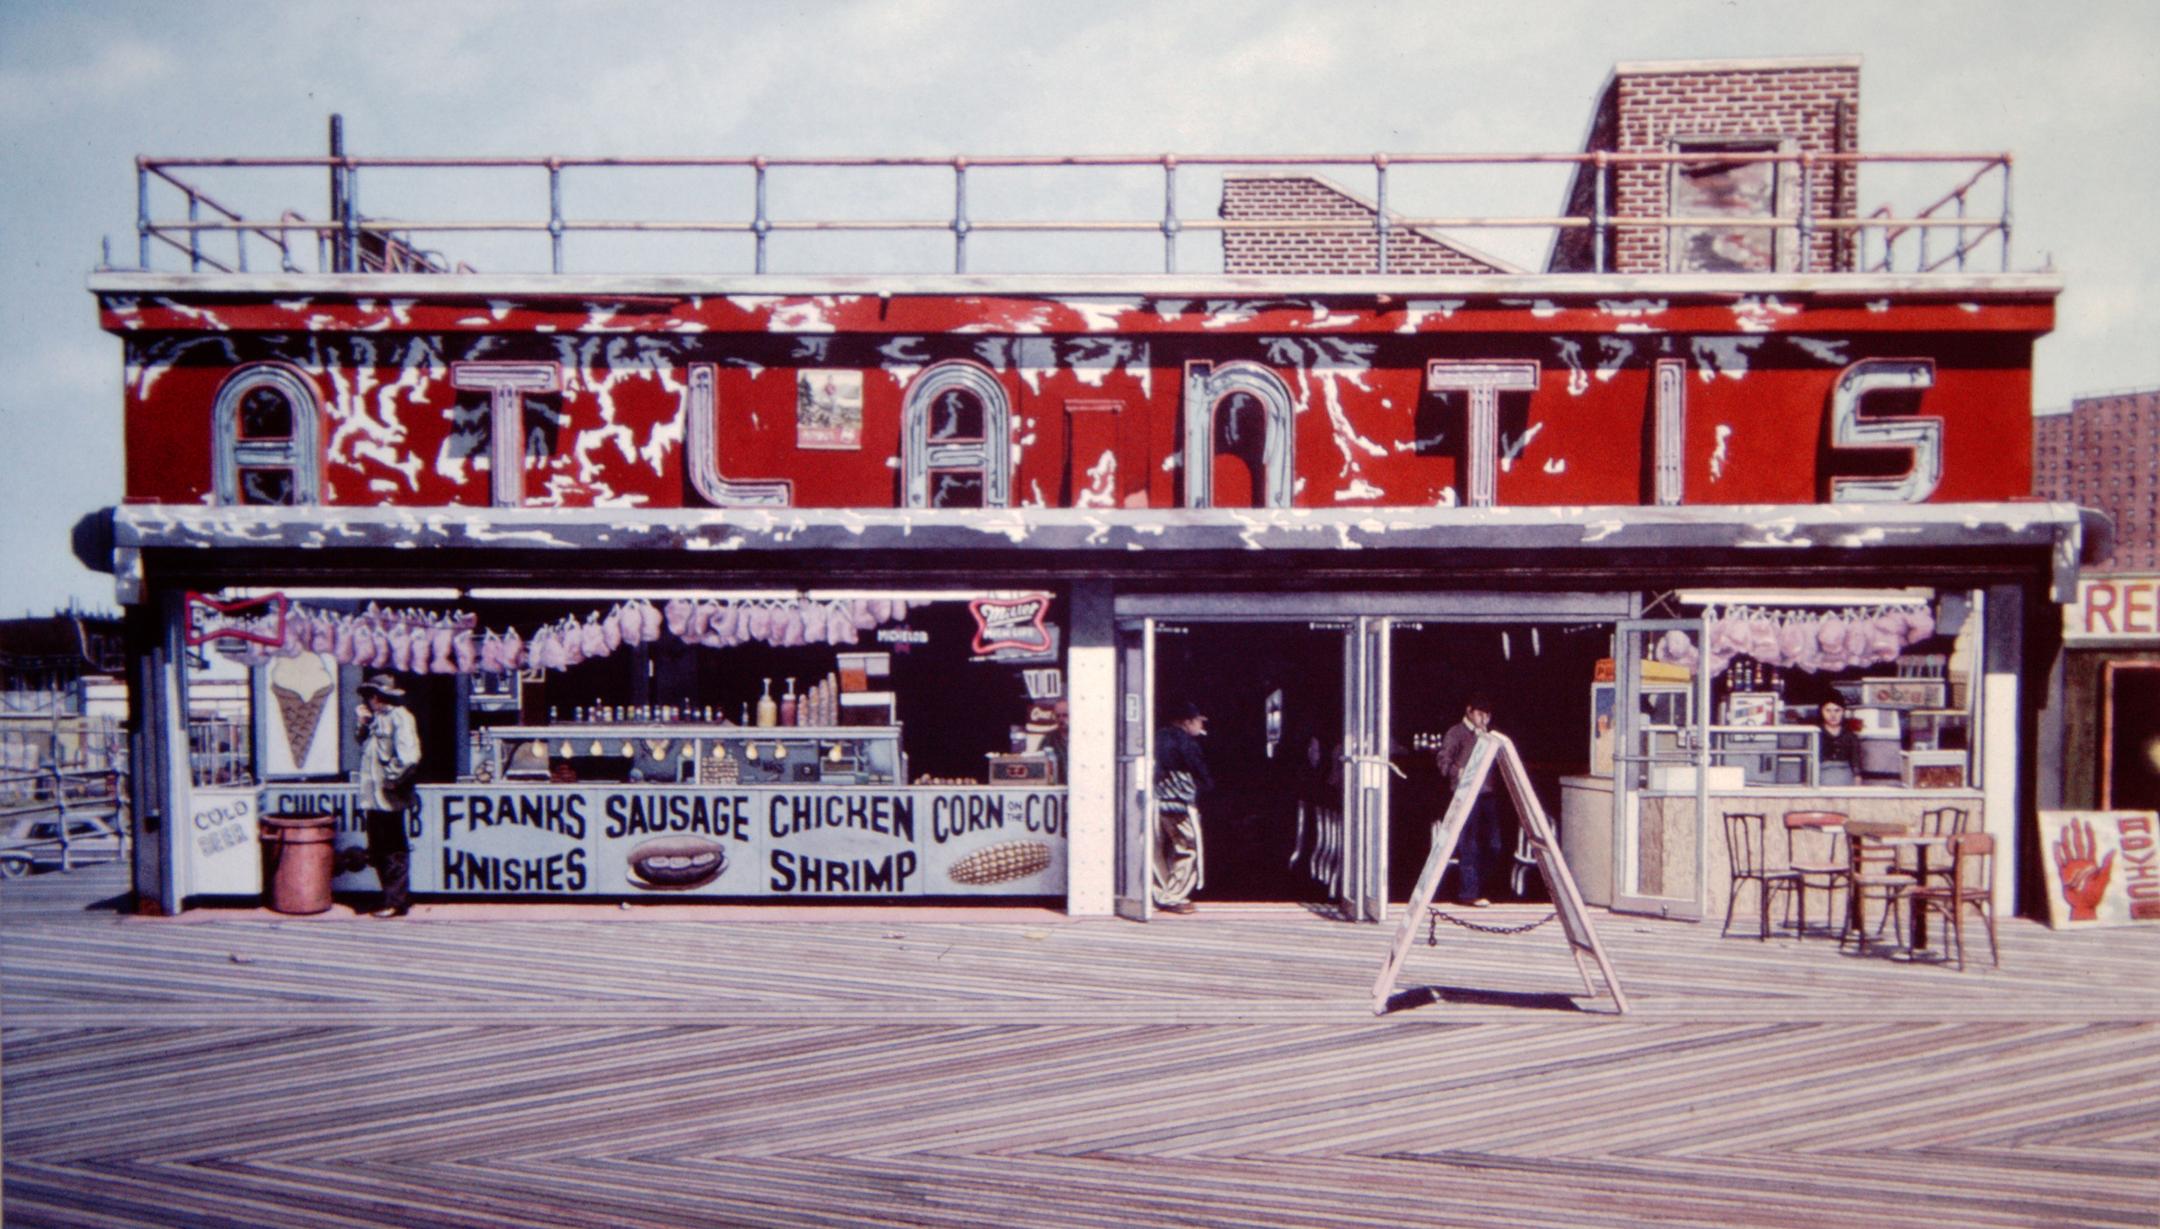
{"x": 2105, "y": 454}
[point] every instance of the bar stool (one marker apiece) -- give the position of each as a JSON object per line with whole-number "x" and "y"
{"x": 1831, "y": 873}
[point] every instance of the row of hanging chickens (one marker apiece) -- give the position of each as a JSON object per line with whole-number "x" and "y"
{"x": 425, "y": 642}
{"x": 1793, "y": 640}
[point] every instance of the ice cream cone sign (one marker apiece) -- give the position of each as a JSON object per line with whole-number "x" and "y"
{"x": 302, "y": 686}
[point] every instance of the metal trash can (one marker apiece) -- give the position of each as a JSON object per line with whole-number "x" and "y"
{"x": 301, "y": 852}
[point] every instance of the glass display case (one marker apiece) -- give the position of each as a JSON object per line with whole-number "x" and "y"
{"x": 694, "y": 754}
{"x": 1767, "y": 755}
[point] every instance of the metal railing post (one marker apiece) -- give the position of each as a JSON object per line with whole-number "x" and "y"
{"x": 1926, "y": 233}
{"x": 2006, "y": 214}
{"x": 349, "y": 236}
{"x": 194, "y": 236}
{"x": 1807, "y": 208}
{"x": 760, "y": 225}
{"x": 1961, "y": 232}
{"x": 555, "y": 222}
{"x": 1380, "y": 218}
{"x": 960, "y": 218}
{"x": 1170, "y": 225}
{"x": 1599, "y": 223}
{"x": 142, "y": 214}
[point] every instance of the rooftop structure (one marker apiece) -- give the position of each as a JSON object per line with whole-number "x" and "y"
{"x": 1688, "y": 167}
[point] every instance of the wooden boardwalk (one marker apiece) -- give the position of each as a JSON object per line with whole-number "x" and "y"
{"x": 724, "y": 1067}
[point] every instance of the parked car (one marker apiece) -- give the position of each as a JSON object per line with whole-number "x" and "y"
{"x": 38, "y": 843}
{"x": 61, "y": 819}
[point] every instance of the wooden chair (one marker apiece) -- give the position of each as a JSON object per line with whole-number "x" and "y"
{"x": 1970, "y": 884}
{"x": 1829, "y": 873}
{"x": 1872, "y": 870}
{"x": 1747, "y": 848}
{"x": 1943, "y": 822}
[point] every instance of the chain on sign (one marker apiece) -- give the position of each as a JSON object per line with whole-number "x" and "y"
{"x": 1436, "y": 916}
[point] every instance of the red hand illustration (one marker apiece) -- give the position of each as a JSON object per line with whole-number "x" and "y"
{"x": 2084, "y": 882}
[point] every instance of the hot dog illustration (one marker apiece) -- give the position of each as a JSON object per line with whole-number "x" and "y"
{"x": 676, "y": 863}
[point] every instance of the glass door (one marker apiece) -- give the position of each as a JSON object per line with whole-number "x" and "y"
{"x": 1136, "y": 769}
{"x": 1660, "y": 767}
{"x": 1362, "y": 885}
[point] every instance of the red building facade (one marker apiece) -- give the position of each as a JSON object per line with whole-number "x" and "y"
{"x": 1350, "y": 492}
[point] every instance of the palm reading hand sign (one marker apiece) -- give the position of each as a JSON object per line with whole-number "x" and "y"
{"x": 2084, "y": 881}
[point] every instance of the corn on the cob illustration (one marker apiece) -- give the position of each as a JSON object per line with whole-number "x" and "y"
{"x": 1001, "y": 863}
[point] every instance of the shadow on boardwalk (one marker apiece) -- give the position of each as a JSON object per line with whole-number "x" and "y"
{"x": 581, "y": 1067}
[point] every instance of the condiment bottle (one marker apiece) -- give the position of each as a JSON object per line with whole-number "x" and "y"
{"x": 768, "y": 713}
{"x": 790, "y": 707}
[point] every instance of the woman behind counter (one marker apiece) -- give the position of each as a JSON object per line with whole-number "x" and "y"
{"x": 1840, "y": 746}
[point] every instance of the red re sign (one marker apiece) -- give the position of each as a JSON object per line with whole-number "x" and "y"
{"x": 2114, "y": 607}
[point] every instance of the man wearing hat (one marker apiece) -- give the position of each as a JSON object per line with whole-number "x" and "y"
{"x": 1181, "y": 776}
{"x": 389, "y": 760}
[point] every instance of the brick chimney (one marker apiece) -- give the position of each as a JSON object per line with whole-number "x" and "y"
{"x": 1724, "y": 110}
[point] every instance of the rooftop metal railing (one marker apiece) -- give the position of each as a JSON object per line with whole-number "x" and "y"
{"x": 351, "y": 241}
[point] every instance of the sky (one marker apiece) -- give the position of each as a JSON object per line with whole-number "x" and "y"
{"x": 86, "y": 86}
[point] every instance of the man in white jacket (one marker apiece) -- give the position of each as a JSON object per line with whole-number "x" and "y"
{"x": 389, "y": 760}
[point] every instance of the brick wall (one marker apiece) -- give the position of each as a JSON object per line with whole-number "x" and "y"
{"x": 1813, "y": 106}
{"x": 1306, "y": 198}
{"x": 2051, "y": 456}
{"x": 2113, "y": 459}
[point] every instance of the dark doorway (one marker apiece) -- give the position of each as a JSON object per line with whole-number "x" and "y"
{"x": 1537, "y": 676}
{"x": 1261, "y": 825}
{"x": 2131, "y": 772}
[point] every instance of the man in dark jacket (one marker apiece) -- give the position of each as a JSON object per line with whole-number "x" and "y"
{"x": 1478, "y": 849}
{"x": 1181, "y": 776}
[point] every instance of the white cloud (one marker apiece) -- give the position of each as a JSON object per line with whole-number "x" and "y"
{"x": 48, "y": 93}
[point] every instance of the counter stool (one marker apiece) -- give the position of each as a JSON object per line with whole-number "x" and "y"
{"x": 1832, "y": 872}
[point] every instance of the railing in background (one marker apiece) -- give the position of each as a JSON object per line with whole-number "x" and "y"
{"x": 353, "y": 241}
{"x": 1928, "y": 220}
{"x": 220, "y": 751}
{"x": 69, "y": 741}
{"x": 62, "y": 817}
{"x": 49, "y": 787}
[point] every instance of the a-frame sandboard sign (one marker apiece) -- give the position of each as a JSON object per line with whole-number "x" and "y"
{"x": 1497, "y": 751}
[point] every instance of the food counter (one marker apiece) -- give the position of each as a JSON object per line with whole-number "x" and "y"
{"x": 1668, "y": 819}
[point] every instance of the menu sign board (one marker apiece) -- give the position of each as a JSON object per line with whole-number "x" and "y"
{"x": 675, "y": 842}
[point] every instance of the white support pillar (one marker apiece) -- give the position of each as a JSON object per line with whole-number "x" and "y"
{"x": 161, "y": 877}
{"x": 1999, "y": 778}
{"x": 1091, "y": 686}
